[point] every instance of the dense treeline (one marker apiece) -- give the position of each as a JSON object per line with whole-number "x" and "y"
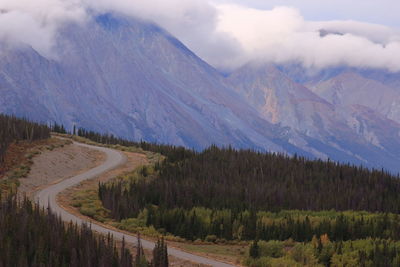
{"x": 247, "y": 180}
{"x": 224, "y": 194}
{"x": 348, "y": 226}
{"x": 30, "y": 236}
{"x": 212, "y": 225}
{"x": 323, "y": 252}
{"x": 13, "y": 129}
{"x": 202, "y": 224}
{"x": 173, "y": 153}
{"x": 107, "y": 139}
{"x": 231, "y": 188}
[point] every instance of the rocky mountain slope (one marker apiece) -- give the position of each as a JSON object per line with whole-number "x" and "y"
{"x": 347, "y": 112}
{"x": 133, "y": 79}
{"x": 351, "y": 88}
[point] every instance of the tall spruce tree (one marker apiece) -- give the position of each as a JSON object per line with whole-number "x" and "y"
{"x": 140, "y": 259}
{"x": 160, "y": 254}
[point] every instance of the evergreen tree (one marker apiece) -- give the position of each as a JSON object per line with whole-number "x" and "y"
{"x": 254, "y": 250}
{"x": 13, "y": 129}
{"x": 32, "y": 236}
{"x": 160, "y": 254}
{"x": 140, "y": 259}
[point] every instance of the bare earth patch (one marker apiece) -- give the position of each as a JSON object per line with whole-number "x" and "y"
{"x": 61, "y": 163}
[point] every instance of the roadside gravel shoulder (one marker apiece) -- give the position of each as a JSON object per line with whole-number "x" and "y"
{"x": 53, "y": 166}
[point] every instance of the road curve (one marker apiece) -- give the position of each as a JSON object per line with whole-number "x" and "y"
{"x": 47, "y": 198}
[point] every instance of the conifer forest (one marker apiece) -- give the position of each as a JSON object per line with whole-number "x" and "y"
{"x": 34, "y": 236}
{"x": 289, "y": 209}
{"x": 228, "y": 194}
{"x": 13, "y": 129}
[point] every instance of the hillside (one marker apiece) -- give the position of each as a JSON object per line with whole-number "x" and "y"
{"x": 132, "y": 79}
{"x": 345, "y": 123}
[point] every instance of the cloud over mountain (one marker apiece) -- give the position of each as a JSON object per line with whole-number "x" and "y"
{"x": 282, "y": 35}
{"x": 35, "y": 23}
{"x": 225, "y": 35}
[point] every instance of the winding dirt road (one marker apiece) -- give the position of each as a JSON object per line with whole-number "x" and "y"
{"x": 47, "y": 198}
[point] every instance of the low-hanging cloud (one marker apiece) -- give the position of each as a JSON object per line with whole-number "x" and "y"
{"x": 194, "y": 22}
{"x": 282, "y": 35}
{"x": 225, "y": 35}
{"x": 35, "y": 23}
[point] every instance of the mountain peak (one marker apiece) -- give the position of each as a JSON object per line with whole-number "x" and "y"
{"x": 324, "y": 33}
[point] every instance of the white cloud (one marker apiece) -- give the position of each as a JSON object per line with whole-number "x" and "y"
{"x": 282, "y": 35}
{"x": 35, "y": 23}
{"x": 225, "y": 35}
{"x": 194, "y": 22}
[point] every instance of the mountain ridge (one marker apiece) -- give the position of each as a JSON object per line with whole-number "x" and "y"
{"x": 131, "y": 78}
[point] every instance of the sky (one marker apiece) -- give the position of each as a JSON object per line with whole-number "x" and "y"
{"x": 374, "y": 11}
{"x": 231, "y": 33}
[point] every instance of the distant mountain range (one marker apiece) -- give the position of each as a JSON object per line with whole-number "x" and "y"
{"x": 133, "y": 79}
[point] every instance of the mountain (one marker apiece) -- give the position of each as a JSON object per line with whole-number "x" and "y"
{"x": 339, "y": 131}
{"x": 133, "y": 79}
{"x": 280, "y": 100}
{"x": 351, "y": 88}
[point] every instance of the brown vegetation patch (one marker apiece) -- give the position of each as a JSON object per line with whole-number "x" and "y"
{"x": 16, "y": 153}
{"x": 20, "y": 157}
